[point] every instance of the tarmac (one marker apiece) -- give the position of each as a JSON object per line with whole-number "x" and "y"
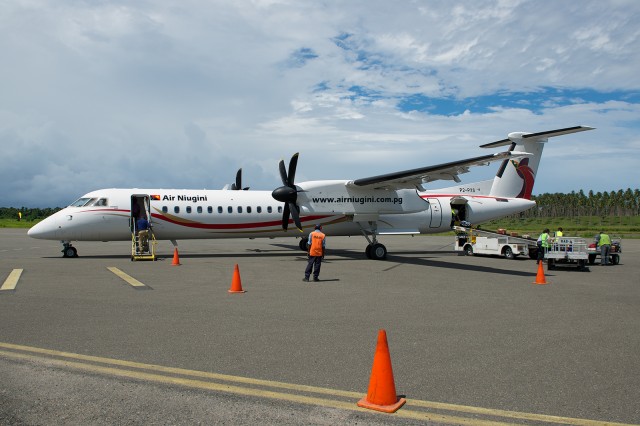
{"x": 100, "y": 339}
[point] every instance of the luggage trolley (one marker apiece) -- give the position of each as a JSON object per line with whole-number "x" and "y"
{"x": 614, "y": 254}
{"x": 567, "y": 251}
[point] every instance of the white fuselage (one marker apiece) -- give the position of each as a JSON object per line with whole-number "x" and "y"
{"x": 200, "y": 214}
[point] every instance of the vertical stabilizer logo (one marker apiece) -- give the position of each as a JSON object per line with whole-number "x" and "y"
{"x": 528, "y": 177}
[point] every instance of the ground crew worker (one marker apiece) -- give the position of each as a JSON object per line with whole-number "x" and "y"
{"x": 142, "y": 225}
{"x": 556, "y": 239}
{"x": 316, "y": 244}
{"x": 605, "y": 248}
{"x": 455, "y": 219}
{"x": 19, "y": 216}
{"x": 543, "y": 244}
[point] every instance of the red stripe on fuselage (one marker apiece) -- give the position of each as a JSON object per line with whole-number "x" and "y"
{"x": 251, "y": 225}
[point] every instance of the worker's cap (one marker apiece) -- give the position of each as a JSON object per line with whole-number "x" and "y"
{"x": 318, "y": 226}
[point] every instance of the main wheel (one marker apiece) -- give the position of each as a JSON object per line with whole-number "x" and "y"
{"x": 378, "y": 251}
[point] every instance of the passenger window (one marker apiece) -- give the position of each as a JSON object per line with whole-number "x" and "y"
{"x": 165, "y": 209}
{"x": 239, "y": 209}
{"x": 248, "y": 209}
{"x": 199, "y": 209}
{"x": 269, "y": 209}
{"x": 188, "y": 209}
{"x": 209, "y": 209}
{"x": 219, "y": 209}
{"x": 230, "y": 209}
{"x": 176, "y": 209}
{"x": 279, "y": 209}
{"x": 259, "y": 209}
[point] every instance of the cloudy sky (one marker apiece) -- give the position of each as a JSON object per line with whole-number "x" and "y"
{"x": 167, "y": 94}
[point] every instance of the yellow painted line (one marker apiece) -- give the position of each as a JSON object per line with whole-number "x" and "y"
{"x": 12, "y": 280}
{"x": 129, "y": 279}
{"x": 245, "y": 391}
{"x": 203, "y": 375}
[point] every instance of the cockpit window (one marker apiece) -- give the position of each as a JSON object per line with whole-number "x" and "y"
{"x": 81, "y": 202}
{"x": 101, "y": 202}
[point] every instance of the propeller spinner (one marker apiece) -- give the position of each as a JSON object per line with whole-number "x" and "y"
{"x": 288, "y": 193}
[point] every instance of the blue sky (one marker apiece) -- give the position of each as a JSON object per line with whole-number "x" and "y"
{"x": 181, "y": 94}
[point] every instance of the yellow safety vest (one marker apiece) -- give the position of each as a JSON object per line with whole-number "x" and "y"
{"x": 545, "y": 240}
{"x": 605, "y": 240}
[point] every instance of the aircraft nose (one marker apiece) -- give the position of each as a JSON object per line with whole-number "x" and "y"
{"x": 43, "y": 230}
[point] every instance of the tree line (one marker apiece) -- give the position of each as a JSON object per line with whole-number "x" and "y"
{"x": 28, "y": 214}
{"x": 615, "y": 203}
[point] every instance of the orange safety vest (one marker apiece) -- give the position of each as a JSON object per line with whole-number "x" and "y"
{"x": 317, "y": 238}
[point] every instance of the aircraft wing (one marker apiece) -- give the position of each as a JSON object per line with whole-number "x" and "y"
{"x": 414, "y": 178}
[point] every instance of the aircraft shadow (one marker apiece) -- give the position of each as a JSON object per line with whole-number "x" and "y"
{"x": 437, "y": 262}
{"x": 428, "y": 258}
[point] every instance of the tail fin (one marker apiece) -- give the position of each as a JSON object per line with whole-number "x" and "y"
{"x": 515, "y": 178}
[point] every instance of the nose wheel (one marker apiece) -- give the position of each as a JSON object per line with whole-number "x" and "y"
{"x": 69, "y": 250}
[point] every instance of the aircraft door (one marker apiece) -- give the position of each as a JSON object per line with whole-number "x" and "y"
{"x": 140, "y": 208}
{"x": 436, "y": 213}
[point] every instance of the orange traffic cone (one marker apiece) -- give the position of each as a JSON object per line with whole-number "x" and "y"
{"x": 540, "y": 276}
{"x": 176, "y": 258}
{"x": 236, "y": 284}
{"x": 381, "y": 395}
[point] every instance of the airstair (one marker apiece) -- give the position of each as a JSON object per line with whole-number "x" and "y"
{"x": 143, "y": 245}
{"x": 143, "y": 241}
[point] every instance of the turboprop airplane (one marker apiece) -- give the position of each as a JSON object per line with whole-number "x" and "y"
{"x": 390, "y": 204}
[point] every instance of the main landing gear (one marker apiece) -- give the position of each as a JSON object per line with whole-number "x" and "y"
{"x": 68, "y": 250}
{"x": 374, "y": 250}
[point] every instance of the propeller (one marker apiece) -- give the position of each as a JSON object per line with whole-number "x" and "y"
{"x": 288, "y": 194}
{"x": 238, "y": 184}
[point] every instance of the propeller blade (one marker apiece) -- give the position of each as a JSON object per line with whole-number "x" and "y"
{"x": 238, "y": 184}
{"x": 293, "y": 164}
{"x": 296, "y": 216}
{"x": 283, "y": 174}
{"x": 285, "y": 217}
{"x": 288, "y": 193}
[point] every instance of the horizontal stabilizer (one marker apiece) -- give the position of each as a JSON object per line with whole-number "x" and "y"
{"x": 513, "y": 137}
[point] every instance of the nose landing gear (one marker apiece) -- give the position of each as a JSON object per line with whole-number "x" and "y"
{"x": 68, "y": 250}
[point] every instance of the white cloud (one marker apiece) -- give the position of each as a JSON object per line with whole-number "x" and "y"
{"x": 203, "y": 88}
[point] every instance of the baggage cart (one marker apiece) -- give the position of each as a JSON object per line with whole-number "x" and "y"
{"x": 614, "y": 253}
{"x": 567, "y": 251}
